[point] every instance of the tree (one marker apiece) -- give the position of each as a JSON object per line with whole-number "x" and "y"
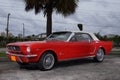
{"x": 64, "y": 7}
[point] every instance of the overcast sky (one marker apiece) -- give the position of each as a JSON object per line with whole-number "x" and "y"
{"x": 96, "y": 15}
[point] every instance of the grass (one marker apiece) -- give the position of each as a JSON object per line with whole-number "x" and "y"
{"x": 2, "y": 54}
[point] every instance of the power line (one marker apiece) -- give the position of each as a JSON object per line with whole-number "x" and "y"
{"x": 20, "y": 7}
{"x": 99, "y": 1}
{"x": 80, "y": 9}
{"x": 56, "y": 22}
{"x": 23, "y": 18}
{"x": 44, "y": 21}
{"x": 15, "y": 8}
{"x": 11, "y": 2}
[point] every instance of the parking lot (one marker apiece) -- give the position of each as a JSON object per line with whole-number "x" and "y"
{"x": 83, "y": 69}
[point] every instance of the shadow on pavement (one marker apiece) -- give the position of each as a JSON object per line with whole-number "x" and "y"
{"x": 60, "y": 64}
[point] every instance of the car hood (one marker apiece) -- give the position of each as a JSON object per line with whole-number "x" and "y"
{"x": 29, "y": 43}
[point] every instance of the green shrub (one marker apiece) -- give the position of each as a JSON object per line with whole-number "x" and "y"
{"x": 2, "y": 54}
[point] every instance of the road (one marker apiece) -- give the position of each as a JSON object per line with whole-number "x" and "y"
{"x": 83, "y": 69}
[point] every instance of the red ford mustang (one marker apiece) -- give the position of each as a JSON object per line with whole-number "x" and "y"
{"x": 59, "y": 46}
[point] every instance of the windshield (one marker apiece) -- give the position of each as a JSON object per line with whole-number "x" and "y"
{"x": 62, "y": 36}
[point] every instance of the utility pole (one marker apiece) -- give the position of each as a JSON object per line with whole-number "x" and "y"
{"x": 7, "y": 29}
{"x": 23, "y": 30}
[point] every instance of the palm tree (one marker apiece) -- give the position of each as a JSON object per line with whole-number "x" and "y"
{"x": 64, "y": 7}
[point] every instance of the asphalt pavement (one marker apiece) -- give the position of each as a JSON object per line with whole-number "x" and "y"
{"x": 82, "y": 69}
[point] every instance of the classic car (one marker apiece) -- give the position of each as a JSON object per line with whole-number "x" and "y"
{"x": 59, "y": 46}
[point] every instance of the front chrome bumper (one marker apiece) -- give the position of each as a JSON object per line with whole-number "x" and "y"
{"x": 21, "y": 55}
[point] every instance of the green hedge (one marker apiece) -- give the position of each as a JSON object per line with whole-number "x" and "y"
{"x": 2, "y": 54}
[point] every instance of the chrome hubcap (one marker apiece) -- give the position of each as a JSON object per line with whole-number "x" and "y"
{"x": 100, "y": 55}
{"x": 48, "y": 61}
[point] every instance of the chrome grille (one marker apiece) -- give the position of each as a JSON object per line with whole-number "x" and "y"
{"x": 13, "y": 48}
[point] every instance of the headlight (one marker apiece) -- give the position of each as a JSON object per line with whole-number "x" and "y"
{"x": 28, "y": 49}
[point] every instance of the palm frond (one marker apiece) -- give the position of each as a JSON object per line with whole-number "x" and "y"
{"x": 34, "y": 4}
{"x": 66, "y": 7}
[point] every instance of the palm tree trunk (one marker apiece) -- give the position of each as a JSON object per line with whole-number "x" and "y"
{"x": 49, "y": 21}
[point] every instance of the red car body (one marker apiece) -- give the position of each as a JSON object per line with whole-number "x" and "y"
{"x": 62, "y": 50}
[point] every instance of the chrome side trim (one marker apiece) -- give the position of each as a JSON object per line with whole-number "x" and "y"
{"x": 78, "y": 58}
{"x": 20, "y": 55}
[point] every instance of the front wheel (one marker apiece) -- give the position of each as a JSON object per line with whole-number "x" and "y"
{"x": 99, "y": 56}
{"x": 47, "y": 61}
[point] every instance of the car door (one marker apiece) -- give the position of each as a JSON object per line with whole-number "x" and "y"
{"x": 80, "y": 45}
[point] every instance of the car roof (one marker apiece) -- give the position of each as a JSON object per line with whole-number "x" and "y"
{"x": 71, "y": 31}
{"x": 91, "y": 34}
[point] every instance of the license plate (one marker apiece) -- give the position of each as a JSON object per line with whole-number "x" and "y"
{"x": 13, "y": 58}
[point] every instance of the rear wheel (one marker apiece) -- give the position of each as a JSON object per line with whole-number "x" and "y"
{"x": 100, "y": 55}
{"x": 47, "y": 61}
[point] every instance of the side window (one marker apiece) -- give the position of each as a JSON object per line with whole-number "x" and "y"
{"x": 81, "y": 37}
{"x": 86, "y": 37}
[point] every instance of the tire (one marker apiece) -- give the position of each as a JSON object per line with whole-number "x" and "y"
{"x": 47, "y": 61}
{"x": 99, "y": 55}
